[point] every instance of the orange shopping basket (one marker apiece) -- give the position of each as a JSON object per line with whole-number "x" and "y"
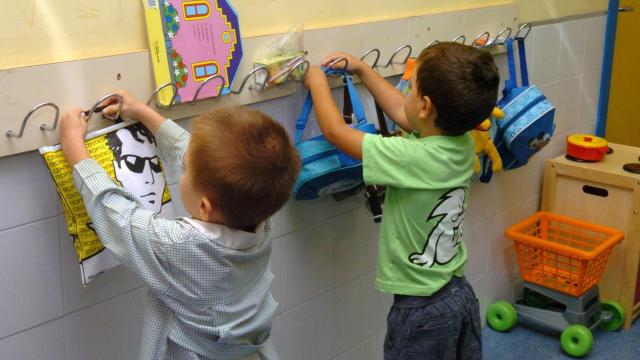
{"x": 562, "y": 253}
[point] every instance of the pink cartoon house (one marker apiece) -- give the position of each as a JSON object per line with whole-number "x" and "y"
{"x": 202, "y": 39}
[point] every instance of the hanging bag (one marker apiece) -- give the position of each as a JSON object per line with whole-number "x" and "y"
{"x": 325, "y": 169}
{"x": 529, "y": 117}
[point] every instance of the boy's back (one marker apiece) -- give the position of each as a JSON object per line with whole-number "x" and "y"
{"x": 427, "y": 180}
{"x": 209, "y": 282}
{"x": 421, "y": 259}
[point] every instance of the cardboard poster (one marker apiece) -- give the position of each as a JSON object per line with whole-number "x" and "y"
{"x": 127, "y": 151}
{"x": 189, "y": 41}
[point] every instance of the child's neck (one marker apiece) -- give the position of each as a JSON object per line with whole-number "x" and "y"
{"x": 428, "y": 128}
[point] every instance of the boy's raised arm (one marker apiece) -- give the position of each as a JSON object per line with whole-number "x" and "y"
{"x": 386, "y": 95}
{"x": 172, "y": 139}
{"x": 335, "y": 130}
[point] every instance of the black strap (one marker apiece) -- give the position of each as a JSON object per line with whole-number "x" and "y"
{"x": 374, "y": 193}
{"x": 347, "y": 108}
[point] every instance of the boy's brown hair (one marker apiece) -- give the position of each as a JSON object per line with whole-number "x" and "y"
{"x": 244, "y": 162}
{"x": 461, "y": 81}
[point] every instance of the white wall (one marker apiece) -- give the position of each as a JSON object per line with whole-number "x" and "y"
{"x": 324, "y": 251}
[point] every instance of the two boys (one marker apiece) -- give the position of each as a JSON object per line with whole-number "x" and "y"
{"x": 208, "y": 275}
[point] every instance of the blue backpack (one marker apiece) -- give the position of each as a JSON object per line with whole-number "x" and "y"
{"x": 528, "y": 123}
{"x": 325, "y": 169}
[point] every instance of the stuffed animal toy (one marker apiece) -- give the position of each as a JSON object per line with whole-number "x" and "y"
{"x": 483, "y": 143}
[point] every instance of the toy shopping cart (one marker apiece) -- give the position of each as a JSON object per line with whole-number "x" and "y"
{"x": 561, "y": 260}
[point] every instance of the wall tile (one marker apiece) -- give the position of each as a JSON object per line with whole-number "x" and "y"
{"x": 276, "y": 334}
{"x": 306, "y": 263}
{"x": 478, "y": 238}
{"x": 26, "y": 189}
{"x": 110, "y": 284}
{"x": 306, "y": 330}
{"x": 43, "y": 342}
{"x": 359, "y": 312}
{"x": 296, "y": 215}
{"x": 500, "y": 253}
{"x": 29, "y": 276}
{"x": 572, "y": 47}
{"x": 546, "y": 42}
{"x": 481, "y": 203}
{"x": 355, "y": 245}
{"x": 594, "y": 44}
{"x": 479, "y": 288}
{"x": 568, "y": 105}
{"x": 589, "y": 98}
{"x": 109, "y": 330}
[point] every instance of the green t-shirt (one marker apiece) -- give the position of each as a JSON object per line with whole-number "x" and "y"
{"x": 427, "y": 179}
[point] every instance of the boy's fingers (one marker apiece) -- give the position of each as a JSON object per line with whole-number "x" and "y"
{"x": 332, "y": 57}
{"x": 111, "y": 110}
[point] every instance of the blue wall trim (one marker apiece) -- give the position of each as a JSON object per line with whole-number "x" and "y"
{"x": 607, "y": 63}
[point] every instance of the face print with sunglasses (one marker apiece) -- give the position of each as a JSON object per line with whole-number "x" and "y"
{"x": 137, "y": 167}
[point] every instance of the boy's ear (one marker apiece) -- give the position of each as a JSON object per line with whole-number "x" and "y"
{"x": 426, "y": 108}
{"x": 206, "y": 209}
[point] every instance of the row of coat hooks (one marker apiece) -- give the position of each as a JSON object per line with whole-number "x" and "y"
{"x": 483, "y": 40}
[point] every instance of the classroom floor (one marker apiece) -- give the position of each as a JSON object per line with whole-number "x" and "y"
{"x": 524, "y": 343}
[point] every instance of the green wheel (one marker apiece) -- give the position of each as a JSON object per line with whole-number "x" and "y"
{"x": 614, "y": 313}
{"x": 576, "y": 340}
{"x": 502, "y": 316}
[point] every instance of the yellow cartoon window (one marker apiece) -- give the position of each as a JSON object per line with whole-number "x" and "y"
{"x": 196, "y": 10}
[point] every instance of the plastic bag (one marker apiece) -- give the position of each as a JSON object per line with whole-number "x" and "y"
{"x": 283, "y": 57}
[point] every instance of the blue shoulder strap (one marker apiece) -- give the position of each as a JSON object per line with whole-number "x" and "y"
{"x": 523, "y": 62}
{"x": 301, "y": 121}
{"x": 512, "y": 82}
{"x": 358, "y": 109}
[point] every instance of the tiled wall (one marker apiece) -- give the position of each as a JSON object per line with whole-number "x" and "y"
{"x": 324, "y": 251}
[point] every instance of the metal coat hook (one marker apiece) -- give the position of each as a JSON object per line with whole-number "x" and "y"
{"x": 210, "y": 78}
{"x": 43, "y": 127}
{"x": 305, "y": 65}
{"x": 97, "y": 108}
{"x": 246, "y": 78}
{"x": 523, "y": 31}
{"x": 434, "y": 42}
{"x": 500, "y": 39}
{"x": 156, "y": 91}
{"x": 377, "y": 58}
{"x": 340, "y": 59}
{"x": 398, "y": 50}
{"x": 481, "y": 40}
{"x": 460, "y": 37}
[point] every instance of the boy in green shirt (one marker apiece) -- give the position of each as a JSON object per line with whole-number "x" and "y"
{"x": 421, "y": 258}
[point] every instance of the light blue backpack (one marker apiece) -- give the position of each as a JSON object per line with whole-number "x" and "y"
{"x": 325, "y": 169}
{"x": 529, "y": 117}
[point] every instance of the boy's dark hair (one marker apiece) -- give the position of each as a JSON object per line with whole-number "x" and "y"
{"x": 244, "y": 162}
{"x": 137, "y": 131}
{"x": 461, "y": 81}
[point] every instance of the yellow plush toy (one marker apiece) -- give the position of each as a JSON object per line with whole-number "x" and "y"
{"x": 483, "y": 143}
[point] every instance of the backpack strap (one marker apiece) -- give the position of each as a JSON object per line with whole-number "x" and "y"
{"x": 523, "y": 62}
{"x": 301, "y": 121}
{"x": 358, "y": 109}
{"x": 512, "y": 82}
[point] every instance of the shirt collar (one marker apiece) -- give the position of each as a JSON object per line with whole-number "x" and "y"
{"x": 228, "y": 237}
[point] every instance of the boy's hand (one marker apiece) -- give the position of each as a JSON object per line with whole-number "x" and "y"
{"x": 314, "y": 76}
{"x": 355, "y": 65}
{"x": 73, "y": 129}
{"x": 132, "y": 108}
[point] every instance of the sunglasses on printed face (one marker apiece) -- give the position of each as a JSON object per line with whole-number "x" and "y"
{"x": 136, "y": 163}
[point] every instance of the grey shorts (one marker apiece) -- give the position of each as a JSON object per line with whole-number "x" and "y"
{"x": 443, "y": 326}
